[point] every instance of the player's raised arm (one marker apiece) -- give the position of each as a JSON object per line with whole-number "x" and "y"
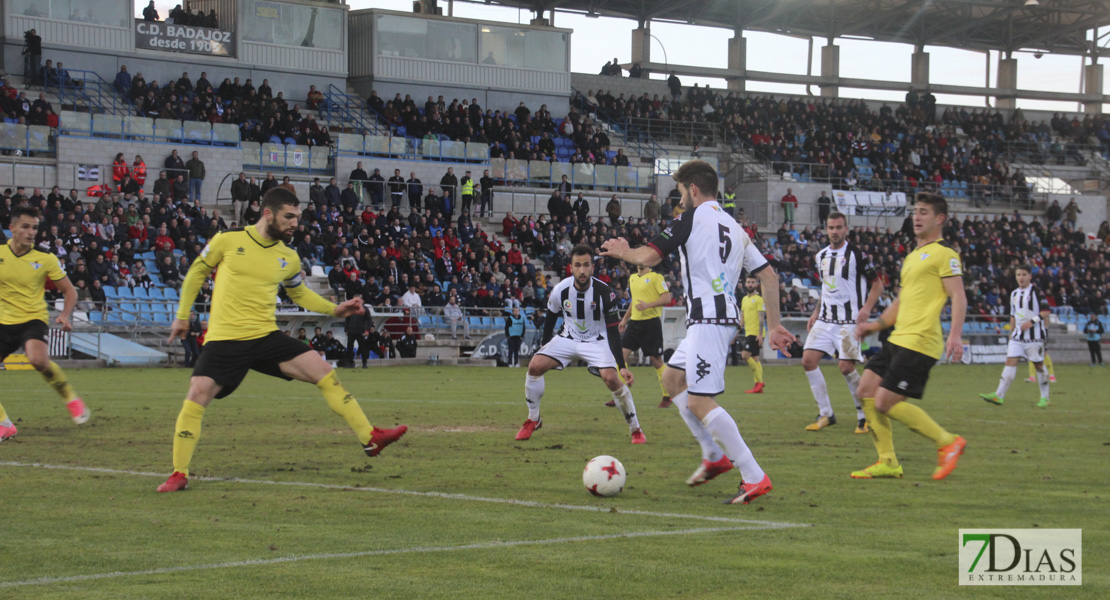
{"x": 202, "y": 266}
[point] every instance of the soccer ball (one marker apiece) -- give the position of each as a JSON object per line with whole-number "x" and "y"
{"x": 604, "y": 476}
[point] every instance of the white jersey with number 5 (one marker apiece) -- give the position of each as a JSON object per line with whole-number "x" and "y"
{"x": 713, "y": 250}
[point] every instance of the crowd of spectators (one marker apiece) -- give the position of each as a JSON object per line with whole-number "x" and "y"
{"x": 517, "y": 134}
{"x": 260, "y": 114}
{"x": 903, "y": 147}
{"x": 181, "y": 16}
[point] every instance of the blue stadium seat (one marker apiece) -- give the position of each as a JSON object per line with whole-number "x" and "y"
{"x": 125, "y": 292}
{"x": 96, "y": 317}
{"x": 110, "y": 292}
{"x": 141, "y": 292}
{"x": 169, "y": 293}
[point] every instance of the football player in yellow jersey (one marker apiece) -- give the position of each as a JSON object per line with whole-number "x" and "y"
{"x": 641, "y": 327}
{"x": 23, "y": 312}
{"x": 243, "y": 335}
{"x": 752, "y": 308}
{"x": 931, "y": 274}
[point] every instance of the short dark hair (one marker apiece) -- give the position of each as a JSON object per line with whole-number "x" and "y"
{"x": 582, "y": 249}
{"x": 699, "y": 173}
{"x": 25, "y": 211}
{"x": 1024, "y": 267}
{"x": 837, "y": 215}
{"x": 275, "y": 198}
{"x": 939, "y": 204}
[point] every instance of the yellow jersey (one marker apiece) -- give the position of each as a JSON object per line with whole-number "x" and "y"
{"x": 647, "y": 288}
{"x": 244, "y": 296}
{"x": 923, "y": 297}
{"x": 22, "y": 284}
{"x": 751, "y": 306}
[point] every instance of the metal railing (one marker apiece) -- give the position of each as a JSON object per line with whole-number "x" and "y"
{"x": 346, "y": 112}
{"x": 145, "y": 129}
{"x": 88, "y": 90}
{"x": 288, "y": 158}
{"x": 27, "y": 140}
{"x": 684, "y": 133}
{"x": 639, "y": 143}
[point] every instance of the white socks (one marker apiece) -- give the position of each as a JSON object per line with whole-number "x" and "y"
{"x": 7, "y": 422}
{"x": 623, "y": 398}
{"x": 710, "y": 450}
{"x": 853, "y": 386}
{"x": 820, "y": 391}
{"x": 723, "y": 428}
{"x": 1008, "y": 374}
{"x": 1042, "y": 381}
{"x": 533, "y": 392}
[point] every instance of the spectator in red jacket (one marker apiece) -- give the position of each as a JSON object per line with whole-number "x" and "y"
{"x": 138, "y": 170}
{"x": 508, "y": 224}
{"x": 139, "y": 233}
{"x": 119, "y": 170}
{"x": 164, "y": 243}
{"x": 515, "y": 257}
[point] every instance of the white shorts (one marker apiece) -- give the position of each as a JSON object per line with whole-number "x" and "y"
{"x": 834, "y": 340}
{"x": 565, "y": 351}
{"x": 704, "y": 355}
{"x": 1031, "y": 351}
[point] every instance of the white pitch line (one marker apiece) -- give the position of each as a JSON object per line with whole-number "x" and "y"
{"x": 442, "y": 495}
{"x": 421, "y": 550}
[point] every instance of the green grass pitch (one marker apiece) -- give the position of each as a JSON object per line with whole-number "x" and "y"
{"x": 283, "y": 503}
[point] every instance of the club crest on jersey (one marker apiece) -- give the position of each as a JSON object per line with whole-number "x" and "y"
{"x": 567, "y": 305}
{"x": 924, "y": 255}
{"x": 36, "y": 266}
{"x": 284, "y": 263}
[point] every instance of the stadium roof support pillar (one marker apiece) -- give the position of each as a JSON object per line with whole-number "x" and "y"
{"x": 641, "y": 46}
{"x": 830, "y": 69}
{"x": 737, "y": 59}
{"x": 919, "y": 70}
{"x": 1007, "y": 83}
{"x": 1092, "y": 84}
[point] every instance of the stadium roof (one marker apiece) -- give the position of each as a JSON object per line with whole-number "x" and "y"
{"x": 1051, "y": 26}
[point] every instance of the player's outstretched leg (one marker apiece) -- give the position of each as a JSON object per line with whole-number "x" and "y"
{"x": 852, "y": 378}
{"x": 7, "y": 428}
{"x": 949, "y": 447}
{"x": 1043, "y": 384}
{"x": 342, "y": 403}
{"x": 723, "y": 428}
{"x": 533, "y": 393}
{"x": 1004, "y": 382}
{"x": 820, "y": 391}
{"x": 186, "y": 436}
{"x": 882, "y": 435}
{"x": 54, "y": 376}
{"x": 622, "y": 397}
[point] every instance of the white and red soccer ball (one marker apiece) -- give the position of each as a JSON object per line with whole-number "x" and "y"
{"x": 604, "y": 476}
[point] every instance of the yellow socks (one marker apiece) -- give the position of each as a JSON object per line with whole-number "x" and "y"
{"x": 57, "y": 380}
{"x": 345, "y": 405}
{"x": 659, "y": 374}
{"x": 918, "y": 420}
{"x": 186, "y": 435}
{"x": 3, "y": 415}
{"x": 757, "y": 369}
{"x": 881, "y": 433}
{"x": 1047, "y": 365}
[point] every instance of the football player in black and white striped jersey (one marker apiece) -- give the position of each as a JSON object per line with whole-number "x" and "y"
{"x": 590, "y": 332}
{"x": 713, "y": 250}
{"x": 1028, "y": 312}
{"x": 845, "y": 274}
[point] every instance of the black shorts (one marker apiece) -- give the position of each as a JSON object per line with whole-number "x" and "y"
{"x": 227, "y": 361}
{"x": 752, "y": 345}
{"x": 646, "y": 335}
{"x": 12, "y": 337}
{"x": 904, "y": 371}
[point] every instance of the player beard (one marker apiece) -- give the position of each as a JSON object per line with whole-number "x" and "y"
{"x": 275, "y": 233}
